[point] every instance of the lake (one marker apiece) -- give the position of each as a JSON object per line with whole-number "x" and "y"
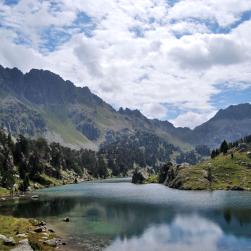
{"x": 117, "y": 215}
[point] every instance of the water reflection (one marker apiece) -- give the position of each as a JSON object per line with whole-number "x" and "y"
{"x": 192, "y": 233}
{"x": 144, "y": 217}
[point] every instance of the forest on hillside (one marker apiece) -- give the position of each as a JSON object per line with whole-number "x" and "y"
{"x": 26, "y": 161}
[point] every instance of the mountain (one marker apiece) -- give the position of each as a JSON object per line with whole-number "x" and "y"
{"x": 46, "y": 105}
{"x": 230, "y": 124}
{"x": 40, "y": 103}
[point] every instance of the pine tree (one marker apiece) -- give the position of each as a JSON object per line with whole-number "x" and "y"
{"x": 213, "y": 154}
{"x": 102, "y": 169}
{"x": 8, "y": 179}
{"x": 224, "y": 147}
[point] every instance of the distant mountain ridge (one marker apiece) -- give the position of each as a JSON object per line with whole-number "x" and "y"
{"x": 41, "y": 103}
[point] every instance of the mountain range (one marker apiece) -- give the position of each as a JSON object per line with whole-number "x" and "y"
{"x": 41, "y": 104}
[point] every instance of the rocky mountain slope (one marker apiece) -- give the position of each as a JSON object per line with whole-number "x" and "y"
{"x": 41, "y": 103}
{"x": 230, "y": 124}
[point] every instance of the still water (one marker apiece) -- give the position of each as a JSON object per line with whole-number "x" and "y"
{"x": 117, "y": 215}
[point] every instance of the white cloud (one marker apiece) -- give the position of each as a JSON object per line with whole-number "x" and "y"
{"x": 204, "y": 51}
{"x": 133, "y": 57}
{"x": 192, "y": 119}
{"x": 224, "y": 12}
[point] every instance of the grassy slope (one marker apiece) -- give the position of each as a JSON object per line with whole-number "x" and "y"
{"x": 227, "y": 173}
{"x": 63, "y": 126}
{"x": 9, "y": 226}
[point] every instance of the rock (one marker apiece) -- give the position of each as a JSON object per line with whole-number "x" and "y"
{"x": 34, "y": 196}
{"x": 9, "y": 242}
{"x": 41, "y": 224}
{"x": 51, "y": 243}
{"x": 138, "y": 177}
{"x": 3, "y": 237}
{"x": 21, "y": 235}
{"x": 249, "y": 154}
{"x": 36, "y": 186}
{"x": 237, "y": 188}
{"x": 39, "y": 229}
{"x": 51, "y": 230}
{"x": 66, "y": 219}
{"x": 23, "y": 245}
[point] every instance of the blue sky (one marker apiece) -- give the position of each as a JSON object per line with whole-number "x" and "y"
{"x": 175, "y": 60}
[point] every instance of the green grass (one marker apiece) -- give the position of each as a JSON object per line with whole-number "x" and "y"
{"x": 227, "y": 173}
{"x": 60, "y": 124}
{"x": 4, "y": 192}
{"x": 152, "y": 179}
{"x": 10, "y": 226}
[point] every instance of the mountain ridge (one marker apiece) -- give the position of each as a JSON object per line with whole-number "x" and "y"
{"x": 47, "y": 105}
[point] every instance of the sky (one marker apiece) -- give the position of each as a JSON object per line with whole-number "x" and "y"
{"x": 176, "y": 60}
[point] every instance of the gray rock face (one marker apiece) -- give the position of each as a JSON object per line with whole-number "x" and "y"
{"x": 46, "y": 105}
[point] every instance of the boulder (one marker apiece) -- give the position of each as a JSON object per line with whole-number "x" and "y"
{"x": 237, "y": 188}
{"x": 138, "y": 177}
{"x": 39, "y": 229}
{"x": 66, "y": 219}
{"x": 21, "y": 235}
{"x": 51, "y": 243}
{"x": 40, "y": 224}
{"x": 3, "y": 237}
{"x": 9, "y": 242}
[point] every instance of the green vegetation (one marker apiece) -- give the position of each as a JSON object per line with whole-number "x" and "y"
{"x": 4, "y": 192}
{"x": 11, "y": 226}
{"x": 27, "y": 163}
{"x": 152, "y": 179}
{"x": 224, "y": 171}
{"x": 228, "y": 169}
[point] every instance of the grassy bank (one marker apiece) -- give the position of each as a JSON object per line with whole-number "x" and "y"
{"x": 11, "y": 227}
{"x": 227, "y": 173}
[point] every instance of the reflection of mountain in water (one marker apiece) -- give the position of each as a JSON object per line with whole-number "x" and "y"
{"x": 124, "y": 219}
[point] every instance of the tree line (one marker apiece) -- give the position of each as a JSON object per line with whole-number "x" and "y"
{"x": 24, "y": 161}
{"x": 225, "y": 146}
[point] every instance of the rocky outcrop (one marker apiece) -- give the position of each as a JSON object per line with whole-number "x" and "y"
{"x": 138, "y": 177}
